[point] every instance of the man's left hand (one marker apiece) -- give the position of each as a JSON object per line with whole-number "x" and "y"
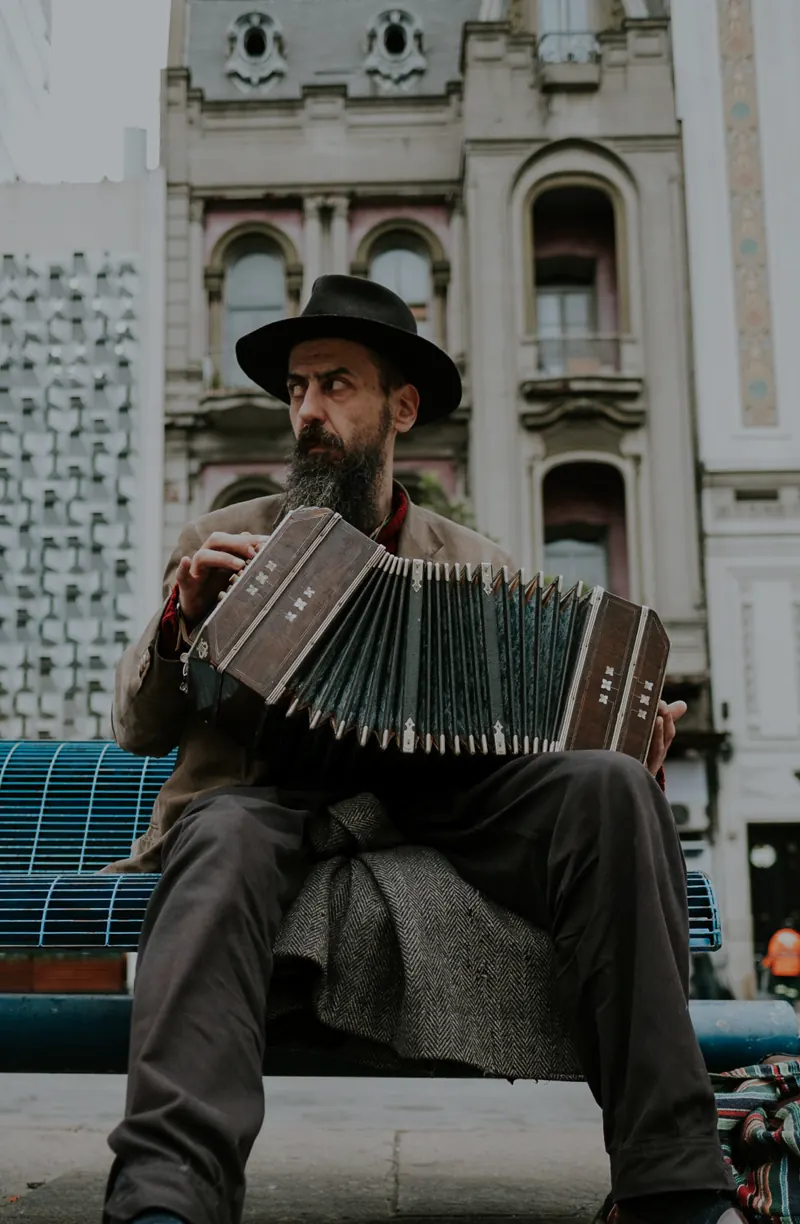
{"x": 664, "y": 733}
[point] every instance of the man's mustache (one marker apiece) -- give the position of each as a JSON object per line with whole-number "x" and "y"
{"x": 314, "y": 434}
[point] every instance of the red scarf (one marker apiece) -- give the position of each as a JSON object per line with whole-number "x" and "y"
{"x": 389, "y": 534}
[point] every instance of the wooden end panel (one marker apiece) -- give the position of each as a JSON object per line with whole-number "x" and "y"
{"x": 289, "y": 542}
{"x": 593, "y": 718}
{"x": 649, "y": 670}
{"x": 303, "y": 609}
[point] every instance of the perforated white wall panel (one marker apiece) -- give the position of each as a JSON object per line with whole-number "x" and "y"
{"x": 68, "y": 447}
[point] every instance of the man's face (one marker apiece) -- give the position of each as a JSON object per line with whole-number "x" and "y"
{"x": 336, "y": 398}
{"x": 344, "y": 422}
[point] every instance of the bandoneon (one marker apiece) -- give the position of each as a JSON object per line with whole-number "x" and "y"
{"x": 415, "y": 657}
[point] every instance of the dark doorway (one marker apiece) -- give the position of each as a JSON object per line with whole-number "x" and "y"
{"x": 774, "y": 859}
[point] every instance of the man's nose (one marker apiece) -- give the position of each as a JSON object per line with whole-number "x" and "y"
{"x": 312, "y": 407}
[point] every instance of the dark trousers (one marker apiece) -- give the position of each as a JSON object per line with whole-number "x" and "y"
{"x": 582, "y": 844}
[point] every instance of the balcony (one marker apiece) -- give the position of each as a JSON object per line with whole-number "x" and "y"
{"x": 569, "y": 60}
{"x": 573, "y": 357}
{"x": 578, "y": 378}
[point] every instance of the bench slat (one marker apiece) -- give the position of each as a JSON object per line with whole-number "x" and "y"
{"x": 73, "y": 806}
{"x": 91, "y": 911}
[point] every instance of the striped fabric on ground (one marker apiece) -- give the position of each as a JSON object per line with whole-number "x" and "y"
{"x": 759, "y": 1127}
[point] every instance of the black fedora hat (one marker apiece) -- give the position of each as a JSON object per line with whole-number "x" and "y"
{"x": 352, "y": 308}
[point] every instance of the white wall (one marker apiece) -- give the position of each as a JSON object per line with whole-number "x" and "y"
{"x": 750, "y": 499}
{"x": 24, "y": 74}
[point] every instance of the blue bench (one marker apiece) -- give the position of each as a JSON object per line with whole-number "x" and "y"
{"x": 67, "y": 809}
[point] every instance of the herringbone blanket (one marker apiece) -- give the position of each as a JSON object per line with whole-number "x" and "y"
{"x": 387, "y": 948}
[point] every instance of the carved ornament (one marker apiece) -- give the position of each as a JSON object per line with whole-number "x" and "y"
{"x": 573, "y": 408}
{"x": 255, "y": 42}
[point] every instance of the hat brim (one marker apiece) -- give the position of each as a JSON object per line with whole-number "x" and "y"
{"x": 264, "y": 357}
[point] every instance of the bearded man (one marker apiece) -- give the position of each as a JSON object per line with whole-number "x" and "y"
{"x": 582, "y": 844}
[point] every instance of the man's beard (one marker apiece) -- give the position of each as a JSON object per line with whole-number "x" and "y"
{"x": 343, "y": 478}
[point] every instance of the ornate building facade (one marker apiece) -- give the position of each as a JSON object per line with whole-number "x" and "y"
{"x": 735, "y": 72}
{"x": 513, "y": 169}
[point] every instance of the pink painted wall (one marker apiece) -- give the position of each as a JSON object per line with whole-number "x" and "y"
{"x": 592, "y": 493}
{"x": 592, "y": 238}
{"x": 362, "y": 220}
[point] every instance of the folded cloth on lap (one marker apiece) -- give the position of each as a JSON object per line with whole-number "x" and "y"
{"x": 388, "y": 949}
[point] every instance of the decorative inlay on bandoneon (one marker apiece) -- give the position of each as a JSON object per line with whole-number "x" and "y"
{"x": 68, "y": 463}
{"x": 745, "y": 188}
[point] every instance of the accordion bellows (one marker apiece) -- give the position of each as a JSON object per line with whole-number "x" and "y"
{"x": 424, "y": 657}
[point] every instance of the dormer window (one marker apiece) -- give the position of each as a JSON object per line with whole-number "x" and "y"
{"x": 395, "y": 56}
{"x": 256, "y": 46}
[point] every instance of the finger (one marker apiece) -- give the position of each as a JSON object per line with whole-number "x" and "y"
{"x": 184, "y": 568}
{"x": 206, "y": 560}
{"x": 669, "y": 733}
{"x": 677, "y": 709}
{"x": 656, "y": 753}
{"x": 243, "y": 544}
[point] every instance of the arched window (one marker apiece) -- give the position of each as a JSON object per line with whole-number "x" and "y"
{"x": 575, "y": 281}
{"x": 585, "y": 535}
{"x": 245, "y": 489}
{"x": 255, "y": 294}
{"x": 402, "y": 262}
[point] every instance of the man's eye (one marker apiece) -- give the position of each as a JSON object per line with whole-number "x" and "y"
{"x": 337, "y": 384}
{"x": 294, "y": 390}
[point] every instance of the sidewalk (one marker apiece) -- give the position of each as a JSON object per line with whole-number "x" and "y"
{"x": 361, "y": 1150}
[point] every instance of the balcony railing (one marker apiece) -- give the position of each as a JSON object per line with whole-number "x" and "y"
{"x": 569, "y": 48}
{"x": 578, "y": 356}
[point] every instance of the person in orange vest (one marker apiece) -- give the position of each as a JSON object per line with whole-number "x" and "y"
{"x": 783, "y": 960}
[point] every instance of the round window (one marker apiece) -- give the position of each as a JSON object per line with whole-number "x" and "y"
{"x": 255, "y": 42}
{"x": 395, "y": 39}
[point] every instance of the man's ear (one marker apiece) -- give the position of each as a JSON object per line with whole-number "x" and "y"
{"x": 406, "y": 407}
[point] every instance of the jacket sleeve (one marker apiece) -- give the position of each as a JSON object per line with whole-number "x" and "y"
{"x": 149, "y": 710}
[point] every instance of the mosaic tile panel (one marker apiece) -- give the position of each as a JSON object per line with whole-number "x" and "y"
{"x": 746, "y": 190}
{"x": 68, "y": 356}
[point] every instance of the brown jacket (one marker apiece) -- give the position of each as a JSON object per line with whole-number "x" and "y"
{"x": 151, "y": 715}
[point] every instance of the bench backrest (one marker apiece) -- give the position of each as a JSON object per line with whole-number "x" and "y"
{"x": 73, "y": 806}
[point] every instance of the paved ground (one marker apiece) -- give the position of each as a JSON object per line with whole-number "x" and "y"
{"x": 361, "y": 1150}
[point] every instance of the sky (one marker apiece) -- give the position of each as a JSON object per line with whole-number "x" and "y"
{"x": 106, "y": 59}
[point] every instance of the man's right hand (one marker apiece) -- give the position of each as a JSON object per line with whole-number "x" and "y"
{"x": 203, "y": 577}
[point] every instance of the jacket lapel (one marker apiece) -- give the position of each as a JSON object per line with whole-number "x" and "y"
{"x": 418, "y": 536}
{"x": 269, "y": 512}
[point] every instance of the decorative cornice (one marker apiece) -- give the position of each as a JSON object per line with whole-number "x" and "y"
{"x": 550, "y": 411}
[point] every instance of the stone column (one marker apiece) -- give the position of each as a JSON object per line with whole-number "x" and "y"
{"x": 497, "y": 498}
{"x": 213, "y": 283}
{"x": 441, "y": 281}
{"x": 312, "y": 233}
{"x": 340, "y": 231}
{"x": 456, "y": 306}
{"x": 198, "y": 342}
